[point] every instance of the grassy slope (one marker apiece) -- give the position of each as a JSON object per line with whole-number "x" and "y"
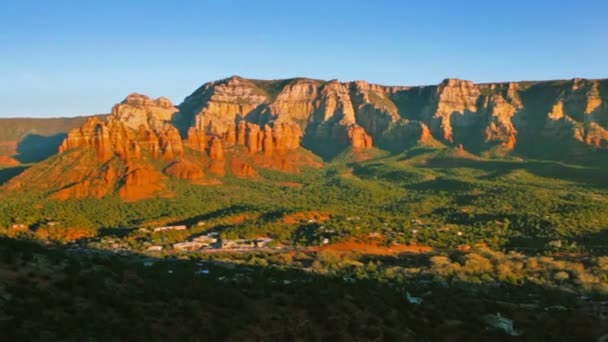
{"x": 501, "y": 202}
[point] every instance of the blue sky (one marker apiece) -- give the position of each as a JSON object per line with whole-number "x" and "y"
{"x": 65, "y": 58}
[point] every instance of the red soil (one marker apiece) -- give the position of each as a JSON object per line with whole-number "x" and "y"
{"x": 374, "y": 248}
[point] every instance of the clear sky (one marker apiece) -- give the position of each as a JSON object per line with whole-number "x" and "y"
{"x": 76, "y": 57}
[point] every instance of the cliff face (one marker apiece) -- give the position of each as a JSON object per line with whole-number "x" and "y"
{"x": 135, "y": 125}
{"x": 236, "y": 125}
{"x": 319, "y": 115}
{"x": 106, "y": 156}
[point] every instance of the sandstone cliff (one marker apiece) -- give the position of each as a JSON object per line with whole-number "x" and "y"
{"x": 236, "y": 125}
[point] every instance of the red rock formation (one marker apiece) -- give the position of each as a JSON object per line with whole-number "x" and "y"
{"x": 242, "y": 169}
{"x": 197, "y": 139}
{"x": 271, "y": 120}
{"x": 455, "y": 100}
{"x": 253, "y": 138}
{"x": 136, "y": 124}
{"x": 216, "y": 150}
{"x": 140, "y": 182}
{"x": 6, "y": 161}
{"x": 358, "y": 138}
{"x": 241, "y": 133}
{"x": 170, "y": 142}
{"x": 425, "y": 136}
{"x": 287, "y": 136}
{"x": 230, "y": 136}
{"x": 268, "y": 141}
{"x": 185, "y": 169}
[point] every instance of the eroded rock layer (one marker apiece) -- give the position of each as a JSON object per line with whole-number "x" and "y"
{"x": 235, "y": 125}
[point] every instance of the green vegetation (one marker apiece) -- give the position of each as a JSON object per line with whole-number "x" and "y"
{"x": 523, "y": 238}
{"x": 59, "y": 294}
{"x": 383, "y": 102}
{"x": 431, "y": 197}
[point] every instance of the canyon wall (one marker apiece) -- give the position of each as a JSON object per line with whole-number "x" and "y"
{"x": 235, "y": 125}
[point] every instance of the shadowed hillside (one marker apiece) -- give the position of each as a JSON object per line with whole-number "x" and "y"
{"x": 34, "y": 139}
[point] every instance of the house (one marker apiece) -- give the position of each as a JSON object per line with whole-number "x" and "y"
{"x": 160, "y": 229}
{"x": 205, "y": 240}
{"x": 154, "y": 249}
{"x": 240, "y": 243}
{"x": 187, "y": 246}
{"x": 52, "y": 223}
{"x": 262, "y": 241}
{"x": 19, "y": 226}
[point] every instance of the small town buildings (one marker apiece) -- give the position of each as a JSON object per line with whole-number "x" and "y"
{"x": 245, "y": 243}
{"x": 262, "y": 241}
{"x": 239, "y": 243}
{"x": 187, "y": 246}
{"x": 154, "y": 249}
{"x": 205, "y": 240}
{"x": 160, "y": 229}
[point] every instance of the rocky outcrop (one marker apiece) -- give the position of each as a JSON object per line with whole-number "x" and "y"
{"x": 216, "y": 150}
{"x": 140, "y": 182}
{"x": 185, "y": 169}
{"x": 139, "y": 110}
{"x": 6, "y": 161}
{"x": 236, "y": 125}
{"x": 217, "y": 105}
{"x": 138, "y": 128}
{"x": 455, "y": 102}
{"x": 358, "y": 139}
{"x": 135, "y": 125}
{"x": 500, "y": 128}
{"x": 579, "y": 112}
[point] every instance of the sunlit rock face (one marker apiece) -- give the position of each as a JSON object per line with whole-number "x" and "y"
{"x": 235, "y": 126}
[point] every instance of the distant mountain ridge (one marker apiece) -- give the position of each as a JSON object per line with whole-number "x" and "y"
{"x": 26, "y": 140}
{"x": 236, "y": 126}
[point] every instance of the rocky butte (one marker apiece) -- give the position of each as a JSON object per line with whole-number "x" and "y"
{"x": 236, "y": 126}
